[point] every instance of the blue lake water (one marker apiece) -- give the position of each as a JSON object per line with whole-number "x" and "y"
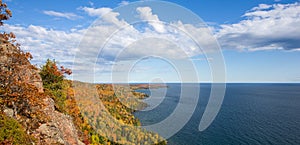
{"x": 250, "y": 114}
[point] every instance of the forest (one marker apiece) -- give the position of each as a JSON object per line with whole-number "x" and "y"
{"x": 38, "y": 105}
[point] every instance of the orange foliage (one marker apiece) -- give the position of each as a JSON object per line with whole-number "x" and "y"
{"x": 16, "y": 90}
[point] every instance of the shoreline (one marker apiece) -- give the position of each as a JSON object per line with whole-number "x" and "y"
{"x": 120, "y": 103}
{"x": 147, "y": 86}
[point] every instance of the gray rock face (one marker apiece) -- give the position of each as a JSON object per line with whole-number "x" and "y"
{"x": 60, "y": 130}
{"x": 51, "y": 134}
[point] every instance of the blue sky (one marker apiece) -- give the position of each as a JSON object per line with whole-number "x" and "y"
{"x": 259, "y": 39}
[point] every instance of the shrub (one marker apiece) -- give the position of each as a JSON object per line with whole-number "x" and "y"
{"x": 11, "y": 132}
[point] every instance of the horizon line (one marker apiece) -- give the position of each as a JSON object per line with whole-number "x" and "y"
{"x": 190, "y": 82}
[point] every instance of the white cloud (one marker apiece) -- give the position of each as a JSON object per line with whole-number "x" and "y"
{"x": 106, "y": 15}
{"x": 201, "y": 35}
{"x": 130, "y": 43}
{"x": 46, "y": 43}
{"x": 70, "y": 16}
{"x": 124, "y": 3}
{"x": 261, "y": 7}
{"x": 96, "y": 11}
{"x": 145, "y": 13}
{"x": 264, "y": 27}
{"x": 134, "y": 43}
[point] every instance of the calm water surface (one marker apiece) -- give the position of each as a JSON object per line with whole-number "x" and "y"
{"x": 250, "y": 114}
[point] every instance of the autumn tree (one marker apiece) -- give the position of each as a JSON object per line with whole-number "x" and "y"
{"x": 18, "y": 90}
{"x": 51, "y": 74}
{"x": 5, "y": 13}
{"x": 53, "y": 82}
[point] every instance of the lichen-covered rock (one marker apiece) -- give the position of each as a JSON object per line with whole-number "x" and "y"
{"x": 50, "y": 134}
{"x": 59, "y": 130}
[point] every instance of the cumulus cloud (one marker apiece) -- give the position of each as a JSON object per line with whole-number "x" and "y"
{"x": 131, "y": 42}
{"x": 46, "y": 43}
{"x": 70, "y": 16}
{"x": 106, "y": 15}
{"x": 146, "y": 14}
{"x": 96, "y": 11}
{"x": 128, "y": 43}
{"x": 264, "y": 27}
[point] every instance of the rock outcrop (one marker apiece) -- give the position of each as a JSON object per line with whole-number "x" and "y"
{"x": 28, "y": 74}
{"x": 59, "y": 129}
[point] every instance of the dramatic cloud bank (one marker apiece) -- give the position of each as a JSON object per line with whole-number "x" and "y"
{"x": 264, "y": 27}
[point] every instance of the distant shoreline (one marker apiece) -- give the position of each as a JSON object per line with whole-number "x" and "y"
{"x": 147, "y": 86}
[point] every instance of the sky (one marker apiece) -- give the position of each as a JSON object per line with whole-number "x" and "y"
{"x": 163, "y": 41}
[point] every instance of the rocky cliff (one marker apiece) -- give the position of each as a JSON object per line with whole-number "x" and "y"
{"x": 22, "y": 96}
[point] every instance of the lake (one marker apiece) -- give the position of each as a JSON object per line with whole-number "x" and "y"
{"x": 250, "y": 114}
